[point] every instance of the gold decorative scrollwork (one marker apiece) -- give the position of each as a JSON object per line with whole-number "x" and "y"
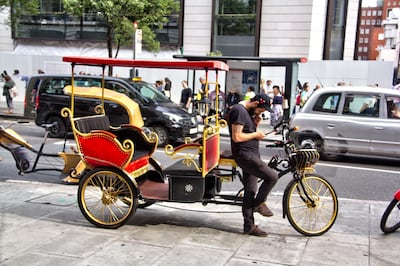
{"x": 223, "y": 123}
{"x": 188, "y": 153}
{"x": 66, "y": 112}
{"x": 99, "y": 109}
{"x": 128, "y": 145}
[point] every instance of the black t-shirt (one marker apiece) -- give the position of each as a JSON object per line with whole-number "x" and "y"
{"x": 240, "y": 116}
{"x": 185, "y": 95}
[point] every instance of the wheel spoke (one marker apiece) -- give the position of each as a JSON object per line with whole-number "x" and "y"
{"x": 316, "y": 217}
{"x": 106, "y": 197}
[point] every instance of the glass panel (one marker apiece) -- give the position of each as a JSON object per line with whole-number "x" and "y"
{"x": 235, "y": 27}
{"x": 393, "y": 107}
{"x": 53, "y": 23}
{"x": 327, "y": 103}
{"x": 361, "y": 105}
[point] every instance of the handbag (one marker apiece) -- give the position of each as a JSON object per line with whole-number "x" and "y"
{"x": 13, "y": 92}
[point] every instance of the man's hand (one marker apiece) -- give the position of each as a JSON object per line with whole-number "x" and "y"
{"x": 260, "y": 135}
{"x": 257, "y": 119}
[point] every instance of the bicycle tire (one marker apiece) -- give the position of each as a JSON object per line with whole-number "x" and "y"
{"x": 385, "y": 227}
{"x": 107, "y": 197}
{"x": 307, "y": 218}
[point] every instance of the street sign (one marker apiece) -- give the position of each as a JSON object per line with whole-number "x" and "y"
{"x": 138, "y": 38}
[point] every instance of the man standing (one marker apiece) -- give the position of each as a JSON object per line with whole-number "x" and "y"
{"x": 186, "y": 95}
{"x": 243, "y": 120}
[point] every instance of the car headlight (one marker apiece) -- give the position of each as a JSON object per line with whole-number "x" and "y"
{"x": 173, "y": 117}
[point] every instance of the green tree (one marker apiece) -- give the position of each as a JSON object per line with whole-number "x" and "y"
{"x": 18, "y": 8}
{"x": 120, "y": 14}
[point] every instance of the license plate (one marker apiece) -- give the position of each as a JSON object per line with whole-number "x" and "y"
{"x": 193, "y": 130}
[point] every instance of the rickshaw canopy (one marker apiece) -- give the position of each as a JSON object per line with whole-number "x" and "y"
{"x": 171, "y": 64}
{"x": 131, "y": 107}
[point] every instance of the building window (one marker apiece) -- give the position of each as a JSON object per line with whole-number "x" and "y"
{"x": 235, "y": 27}
{"x": 369, "y": 13}
{"x": 379, "y": 12}
{"x": 365, "y": 40}
{"x": 389, "y": 13}
{"x": 363, "y": 13}
{"x": 360, "y": 49}
{"x": 378, "y": 22}
{"x": 365, "y": 49}
{"x": 366, "y": 31}
{"x": 373, "y": 22}
{"x": 361, "y": 30}
{"x": 374, "y": 13}
{"x": 362, "y": 22}
{"x": 361, "y": 40}
{"x": 368, "y": 22}
{"x": 335, "y": 30}
{"x": 53, "y": 23}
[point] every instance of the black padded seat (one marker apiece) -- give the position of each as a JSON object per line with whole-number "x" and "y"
{"x": 181, "y": 169}
{"x": 89, "y": 123}
{"x": 142, "y": 146}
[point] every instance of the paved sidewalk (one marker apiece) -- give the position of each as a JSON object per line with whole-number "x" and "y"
{"x": 41, "y": 224}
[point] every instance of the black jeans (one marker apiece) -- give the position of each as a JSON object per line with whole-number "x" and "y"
{"x": 253, "y": 168}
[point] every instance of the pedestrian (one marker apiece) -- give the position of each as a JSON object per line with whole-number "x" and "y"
{"x": 250, "y": 93}
{"x": 213, "y": 97}
{"x": 167, "y": 87}
{"x": 186, "y": 95}
{"x": 269, "y": 89}
{"x": 159, "y": 85}
{"x": 277, "y": 110}
{"x": 203, "y": 92}
{"x": 8, "y": 85}
{"x": 243, "y": 121}
{"x": 36, "y": 87}
{"x": 231, "y": 99}
{"x": 305, "y": 94}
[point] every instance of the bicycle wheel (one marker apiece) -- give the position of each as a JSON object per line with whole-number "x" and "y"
{"x": 311, "y": 205}
{"x": 107, "y": 197}
{"x": 390, "y": 220}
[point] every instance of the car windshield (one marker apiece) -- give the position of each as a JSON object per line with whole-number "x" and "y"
{"x": 149, "y": 91}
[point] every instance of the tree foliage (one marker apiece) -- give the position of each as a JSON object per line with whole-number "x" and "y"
{"x": 119, "y": 16}
{"x": 18, "y": 8}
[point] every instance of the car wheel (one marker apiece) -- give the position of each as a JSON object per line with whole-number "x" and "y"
{"x": 318, "y": 144}
{"x": 59, "y": 130}
{"x": 162, "y": 133}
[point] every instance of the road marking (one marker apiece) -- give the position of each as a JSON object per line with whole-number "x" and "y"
{"x": 62, "y": 143}
{"x": 359, "y": 168}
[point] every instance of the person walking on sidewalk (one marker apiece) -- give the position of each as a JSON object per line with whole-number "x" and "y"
{"x": 8, "y": 85}
{"x": 243, "y": 121}
{"x": 186, "y": 95}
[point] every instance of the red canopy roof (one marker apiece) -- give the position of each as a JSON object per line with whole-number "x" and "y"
{"x": 175, "y": 64}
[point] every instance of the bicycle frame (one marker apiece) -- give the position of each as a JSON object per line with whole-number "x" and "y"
{"x": 18, "y": 147}
{"x": 288, "y": 164}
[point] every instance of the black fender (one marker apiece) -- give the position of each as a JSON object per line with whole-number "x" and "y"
{"x": 285, "y": 198}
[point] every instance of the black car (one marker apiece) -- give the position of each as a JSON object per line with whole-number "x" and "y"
{"x": 167, "y": 119}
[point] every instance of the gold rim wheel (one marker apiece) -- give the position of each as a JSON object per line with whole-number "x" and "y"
{"x": 316, "y": 214}
{"x": 106, "y": 197}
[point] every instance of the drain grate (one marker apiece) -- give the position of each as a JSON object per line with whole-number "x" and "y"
{"x": 55, "y": 198}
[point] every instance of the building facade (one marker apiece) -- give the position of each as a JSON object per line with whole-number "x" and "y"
{"x": 369, "y": 35}
{"x": 316, "y": 29}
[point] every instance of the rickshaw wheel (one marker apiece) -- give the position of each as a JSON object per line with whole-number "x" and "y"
{"x": 107, "y": 197}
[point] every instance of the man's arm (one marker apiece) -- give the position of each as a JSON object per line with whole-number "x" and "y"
{"x": 239, "y": 136}
{"x": 188, "y": 102}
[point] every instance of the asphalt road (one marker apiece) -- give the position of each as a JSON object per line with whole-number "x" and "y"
{"x": 353, "y": 177}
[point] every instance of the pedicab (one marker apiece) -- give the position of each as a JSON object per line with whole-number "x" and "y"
{"x": 123, "y": 175}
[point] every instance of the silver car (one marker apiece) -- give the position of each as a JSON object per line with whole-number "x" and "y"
{"x": 350, "y": 120}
